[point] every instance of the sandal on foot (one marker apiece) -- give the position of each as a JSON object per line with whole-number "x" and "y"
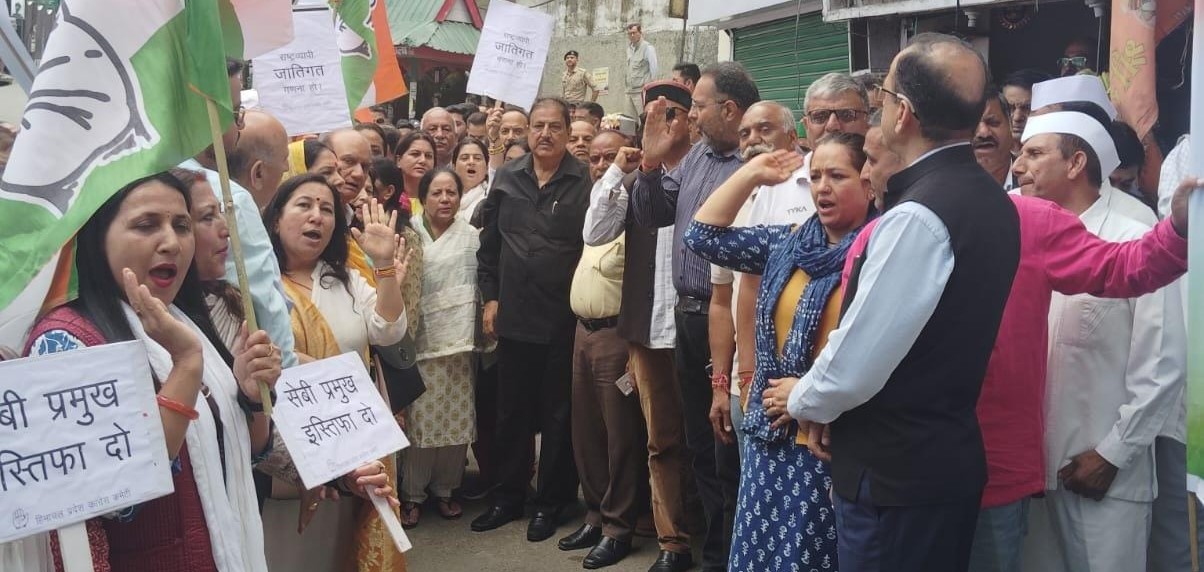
{"x": 449, "y": 508}
{"x": 410, "y": 512}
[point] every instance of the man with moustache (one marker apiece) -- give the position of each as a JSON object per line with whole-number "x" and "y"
{"x": 765, "y": 127}
{"x": 661, "y": 198}
{"x": 440, "y": 125}
{"x": 646, "y": 322}
{"x": 993, "y": 141}
{"x": 530, "y": 243}
{"x": 354, "y": 156}
{"x": 581, "y": 134}
{"x": 603, "y": 150}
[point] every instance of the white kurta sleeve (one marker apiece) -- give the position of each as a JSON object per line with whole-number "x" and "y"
{"x": 1154, "y": 378}
{"x": 909, "y": 246}
{"x": 607, "y": 214}
{"x": 381, "y": 332}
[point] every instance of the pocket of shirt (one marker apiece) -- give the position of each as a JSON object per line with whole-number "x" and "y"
{"x": 1085, "y": 319}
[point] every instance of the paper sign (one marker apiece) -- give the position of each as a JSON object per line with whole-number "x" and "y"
{"x": 80, "y": 437}
{"x": 332, "y": 418}
{"x": 601, "y": 77}
{"x": 511, "y": 54}
{"x": 301, "y": 84}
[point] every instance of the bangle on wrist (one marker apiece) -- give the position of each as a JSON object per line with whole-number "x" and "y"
{"x": 385, "y": 271}
{"x": 177, "y": 407}
{"x": 746, "y": 378}
{"x": 720, "y": 381}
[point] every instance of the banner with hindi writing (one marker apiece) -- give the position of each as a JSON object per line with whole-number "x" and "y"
{"x": 80, "y": 436}
{"x": 301, "y": 84}
{"x": 333, "y": 419}
{"x": 510, "y": 56}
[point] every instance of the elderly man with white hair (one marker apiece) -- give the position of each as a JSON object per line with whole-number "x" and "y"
{"x": 1116, "y": 369}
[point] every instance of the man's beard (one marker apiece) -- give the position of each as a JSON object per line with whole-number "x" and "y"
{"x": 748, "y": 153}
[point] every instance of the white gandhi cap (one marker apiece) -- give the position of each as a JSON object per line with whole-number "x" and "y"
{"x": 1082, "y": 126}
{"x": 1087, "y": 88}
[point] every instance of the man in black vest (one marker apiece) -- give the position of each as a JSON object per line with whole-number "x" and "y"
{"x": 899, "y": 379}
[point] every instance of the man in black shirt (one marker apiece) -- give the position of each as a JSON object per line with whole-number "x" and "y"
{"x": 530, "y": 244}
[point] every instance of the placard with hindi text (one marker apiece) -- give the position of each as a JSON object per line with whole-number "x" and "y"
{"x": 333, "y": 419}
{"x": 80, "y": 437}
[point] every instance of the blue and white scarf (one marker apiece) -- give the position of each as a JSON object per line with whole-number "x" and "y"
{"x": 805, "y": 249}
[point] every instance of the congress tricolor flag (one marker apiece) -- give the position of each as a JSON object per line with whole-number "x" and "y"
{"x": 118, "y": 96}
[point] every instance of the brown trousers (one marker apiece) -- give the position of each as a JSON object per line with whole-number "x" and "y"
{"x": 608, "y": 435}
{"x": 660, "y": 400}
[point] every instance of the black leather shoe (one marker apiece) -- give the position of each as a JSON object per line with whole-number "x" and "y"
{"x": 670, "y": 561}
{"x": 608, "y": 551}
{"x": 585, "y": 537}
{"x": 543, "y": 525}
{"x": 495, "y": 517}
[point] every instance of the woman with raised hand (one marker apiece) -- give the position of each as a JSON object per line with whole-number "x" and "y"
{"x": 784, "y": 514}
{"x": 335, "y": 310}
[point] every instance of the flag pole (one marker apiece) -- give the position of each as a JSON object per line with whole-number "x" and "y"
{"x": 240, "y": 268}
{"x": 1193, "y": 530}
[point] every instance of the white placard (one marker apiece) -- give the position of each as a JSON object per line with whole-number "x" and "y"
{"x": 301, "y": 84}
{"x": 511, "y": 54}
{"x": 80, "y": 436}
{"x": 333, "y": 419}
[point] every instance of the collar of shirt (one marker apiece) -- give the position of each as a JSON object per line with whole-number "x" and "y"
{"x": 1010, "y": 182}
{"x": 563, "y": 170}
{"x": 937, "y": 150}
{"x": 1094, "y": 217}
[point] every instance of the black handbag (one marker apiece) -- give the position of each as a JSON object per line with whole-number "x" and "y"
{"x": 399, "y": 367}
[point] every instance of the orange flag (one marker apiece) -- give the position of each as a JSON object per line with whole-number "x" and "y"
{"x": 371, "y": 73}
{"x": 1137, "y": 27}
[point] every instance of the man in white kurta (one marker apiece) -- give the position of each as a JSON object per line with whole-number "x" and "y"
{"x": 1116, "y": 369}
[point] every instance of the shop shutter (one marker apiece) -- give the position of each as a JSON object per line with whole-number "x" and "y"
{"x": 785, "y": 58}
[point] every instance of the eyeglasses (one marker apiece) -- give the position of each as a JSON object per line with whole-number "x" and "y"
{"x": 240, "y": 117}
{"x": 1077, "y": 61}
{"x": 899, "y": 97}
{"x": 842, "y": 115}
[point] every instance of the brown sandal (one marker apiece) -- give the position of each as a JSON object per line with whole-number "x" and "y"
{"x": 410, "y": 512}
{"x": 449, "y": 508}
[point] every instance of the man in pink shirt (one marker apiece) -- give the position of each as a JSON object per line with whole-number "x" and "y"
{"x": 1057, "y": 253}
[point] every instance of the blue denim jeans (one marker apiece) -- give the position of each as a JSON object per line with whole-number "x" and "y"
{"x": 737, "y": 421}
{"x": 999, "y": 538}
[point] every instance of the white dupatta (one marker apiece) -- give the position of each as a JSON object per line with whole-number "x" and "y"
{"x": 231, "y": 510}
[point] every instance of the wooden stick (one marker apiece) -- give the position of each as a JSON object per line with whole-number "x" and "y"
{"x": 1193, "y": 530}
{"x": 240, "y": 268}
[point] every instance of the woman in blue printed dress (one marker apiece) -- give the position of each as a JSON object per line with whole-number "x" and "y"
{"x": 784, "y": 518}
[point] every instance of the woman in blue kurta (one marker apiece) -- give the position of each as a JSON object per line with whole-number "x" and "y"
{"x": 784, "y": 518}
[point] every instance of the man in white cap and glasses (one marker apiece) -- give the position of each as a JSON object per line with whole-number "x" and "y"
{"x": 1086, "y": 94}
{"x": 1115, "y": 372}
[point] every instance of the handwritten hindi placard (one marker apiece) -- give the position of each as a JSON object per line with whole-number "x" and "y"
{"x": 80, "y": 437}
{"x": 333, "y": 419}
{"x": 511, "y": 54}
{"x": 301, "y": 84}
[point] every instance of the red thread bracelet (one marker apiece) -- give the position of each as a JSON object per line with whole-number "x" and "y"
{"x": 176, "y": 406}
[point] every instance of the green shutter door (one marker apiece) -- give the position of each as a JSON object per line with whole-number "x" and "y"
{"x": 783, "y": 68}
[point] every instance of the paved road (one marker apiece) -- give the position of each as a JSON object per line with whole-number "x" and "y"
{"x": 449, "y": 546}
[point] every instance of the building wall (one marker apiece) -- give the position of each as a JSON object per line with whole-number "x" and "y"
{"x": 595, "y": 29}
